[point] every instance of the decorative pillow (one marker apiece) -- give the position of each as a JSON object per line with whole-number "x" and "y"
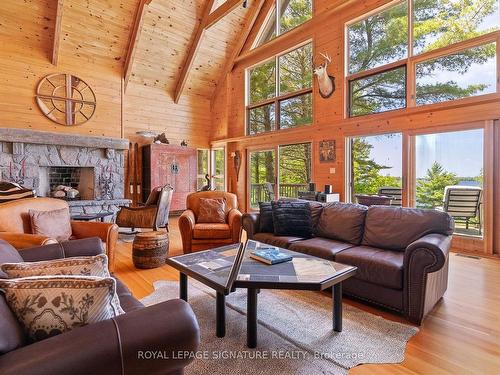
{"x": 49, "y": 305}
{"x": 266, "y": 217}
{"x": 55, "y": 224}
{"x": 292, "y": 218}
{"x": 84, "y": 266}
{"x": 212, "y": 211}
{"x": 343, "y": 222}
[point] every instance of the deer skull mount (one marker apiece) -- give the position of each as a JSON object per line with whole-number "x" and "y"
{"x": 326, "y": 82}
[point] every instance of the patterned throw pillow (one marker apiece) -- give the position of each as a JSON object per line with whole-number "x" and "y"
{"x": 292, "y": 218}
{"x": 84, "y": 266}
{"x": 55, "y": 224}
{"x": 50, "y": 305}
{"x": 212, "y": 211}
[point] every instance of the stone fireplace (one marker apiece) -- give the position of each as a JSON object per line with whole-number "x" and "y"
{"x": 41, "y": 160}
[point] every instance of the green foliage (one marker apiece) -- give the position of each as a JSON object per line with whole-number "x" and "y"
{"x": 366, "y": 171}
{"x": 294, "y": 13}
{"x": 382, "y": 39}
{"x": 430, "y": 189}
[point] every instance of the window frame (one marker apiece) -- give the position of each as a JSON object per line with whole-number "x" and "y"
{"x": 276, "y": 8}
{"x": 277, "y": 99}
{"x": 411, "y": 61}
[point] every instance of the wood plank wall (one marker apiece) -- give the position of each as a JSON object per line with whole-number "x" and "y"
{"x": 326, "y": 29}
{"x": 93, "y": 46}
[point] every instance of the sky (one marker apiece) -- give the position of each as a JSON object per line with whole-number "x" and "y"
{"x": 458, "y": 152}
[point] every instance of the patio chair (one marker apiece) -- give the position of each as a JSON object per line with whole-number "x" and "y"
{"x": 269, "y": 191}
{"x": 396, "y": 194}
{"x": 463, "y": 202}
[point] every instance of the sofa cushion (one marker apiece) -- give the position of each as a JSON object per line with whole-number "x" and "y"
{"x": 205, "y": 231}
{"x": 55, "y": 224}
{"x": 280, "y": 241}
{"x": 342, "y": 222}
{"x": 266, "y": 224}
{"x": 378, "y": 266}
{"x": 50, "y": 305}
{"x": 316, "y": 210}
{"x": 292, "y": 218}
{"x": 320, "y": 247}
{"x": 8, "y": 254}
{"x": 395, "y": 228}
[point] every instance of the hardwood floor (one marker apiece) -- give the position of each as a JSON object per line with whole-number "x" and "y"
{"x": 460, "y": 336}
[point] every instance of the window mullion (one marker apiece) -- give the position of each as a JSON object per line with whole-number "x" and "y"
{"x": 277, "y": 119}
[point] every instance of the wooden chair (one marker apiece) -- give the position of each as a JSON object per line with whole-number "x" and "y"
{"x": 463, "y": 202}
{"x": 153, "y": 215}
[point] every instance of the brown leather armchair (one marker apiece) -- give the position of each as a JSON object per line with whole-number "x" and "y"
{"x": 111, "y": 346}
{"x": 15, "y": 226}
{"x": 201, "y": 236}
{"x": 153, "y": 215}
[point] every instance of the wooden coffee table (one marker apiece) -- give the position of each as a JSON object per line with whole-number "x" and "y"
{"x": 304, "y": 272}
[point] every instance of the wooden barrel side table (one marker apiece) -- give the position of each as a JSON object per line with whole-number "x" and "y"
{"x": 150, "y": 249}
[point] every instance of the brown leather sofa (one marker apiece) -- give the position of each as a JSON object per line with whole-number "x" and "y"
{"x": 15, "y": 226}
{"x": 401, "y": 253}
{"x": 200, "y": 236}
{"x": 108, "y": 347}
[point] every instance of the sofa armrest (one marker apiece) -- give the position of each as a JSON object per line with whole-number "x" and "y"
{"x": 107, "y": 232}
{"x": 251, "y": 223}
{"x": 166, "y": 329}
{"x": 26, "y": 240}
{"x": 67, "y": 249}
{"x": 234, "y": 221}
{"x": 426, "y": 274}
{"x": 186, "y": 227}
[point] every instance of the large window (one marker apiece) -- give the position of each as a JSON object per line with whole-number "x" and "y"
{"x": 284, "y": 175}
{"x": 279, "y": 92}
{"x": 384, "y": 58}
{"x": 284, "y": 16}
{"x": 449, "y": 176}
{"x": 376, "y": 163}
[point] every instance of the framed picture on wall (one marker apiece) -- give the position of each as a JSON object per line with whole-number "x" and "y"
{"x": 327, "y": 151}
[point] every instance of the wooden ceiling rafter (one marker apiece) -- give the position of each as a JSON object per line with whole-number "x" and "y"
{"x": 245, "y": 33}
{"x": 193, "y": 50}
{"x": 57, "y": 32}
{"x": 222, "y": 11}
{"x": 134, "y": 40}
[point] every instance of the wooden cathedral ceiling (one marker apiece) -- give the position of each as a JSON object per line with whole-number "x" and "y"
{"x": 100, "y": 31}
{"x": 166, "y": 39}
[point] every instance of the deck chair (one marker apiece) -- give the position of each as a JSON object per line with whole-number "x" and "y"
{"x": 269, "y": 191}
{"x": 395, "y": 193}
{"x": 463, "y": 202}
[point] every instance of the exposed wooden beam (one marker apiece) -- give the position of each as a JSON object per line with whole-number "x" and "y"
{"x": 57, "y": 32}
{"x": 228, "y": 67}
{"x": 195, "y": 45}
{"x": 134, "y": 40}
{"x": 222, "y": 11}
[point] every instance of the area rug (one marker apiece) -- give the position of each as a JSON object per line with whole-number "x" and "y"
{"x": 295, "y": 333}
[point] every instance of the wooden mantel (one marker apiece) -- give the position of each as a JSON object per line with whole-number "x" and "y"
{"x": 50, "y": 138}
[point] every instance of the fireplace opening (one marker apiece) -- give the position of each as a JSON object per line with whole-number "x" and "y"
{"x": 82, "y": 179}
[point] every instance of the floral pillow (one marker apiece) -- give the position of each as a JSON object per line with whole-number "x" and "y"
{"x": 50, "y": 305}
{"x": 84, "y": 266}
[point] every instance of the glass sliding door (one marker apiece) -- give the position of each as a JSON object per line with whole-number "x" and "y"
{"x": 376, "y": 165}
{"x": 262, "y": 177}
{"x": 449, "y": 176}
{"x": 294, "y": 169}
{"x": 219, "y": 169}
{"x": 203, "y": 167}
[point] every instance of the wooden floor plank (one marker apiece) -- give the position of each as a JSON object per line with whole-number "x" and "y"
{"x": 460, "y": 336}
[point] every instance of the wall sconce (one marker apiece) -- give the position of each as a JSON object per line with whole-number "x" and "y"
{"x": 236, "y": 155}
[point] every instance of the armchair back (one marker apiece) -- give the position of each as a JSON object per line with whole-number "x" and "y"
{"x": 14, "y": 216}
{"x": 193, "y": 200}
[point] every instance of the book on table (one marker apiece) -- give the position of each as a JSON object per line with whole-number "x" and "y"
{"x": 270, "y": 255}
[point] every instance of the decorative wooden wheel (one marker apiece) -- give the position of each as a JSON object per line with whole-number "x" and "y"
{"x": 65, "y": 99}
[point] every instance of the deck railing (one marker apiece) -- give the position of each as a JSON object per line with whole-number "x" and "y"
{"x": 258, "y": 192}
